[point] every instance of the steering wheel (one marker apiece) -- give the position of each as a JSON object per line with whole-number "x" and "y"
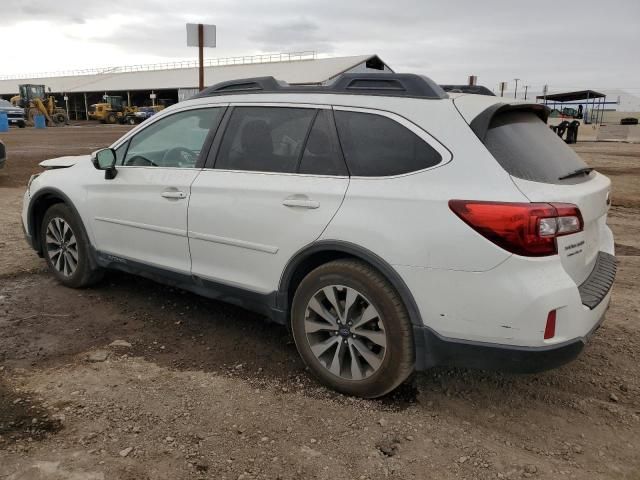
{"x": 184, "y": 156}
{"x": 139, "y": 161}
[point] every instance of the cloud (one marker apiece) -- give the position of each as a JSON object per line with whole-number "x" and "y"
{"x": 552, "y": 42}
{"x": 296, "y": 35}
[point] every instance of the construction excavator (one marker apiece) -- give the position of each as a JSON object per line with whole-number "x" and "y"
{"x": 34, "y": 100}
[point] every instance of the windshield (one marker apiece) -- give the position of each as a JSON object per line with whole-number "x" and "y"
{"x": 527, "y": 148}
{"x": 5, "y": 104}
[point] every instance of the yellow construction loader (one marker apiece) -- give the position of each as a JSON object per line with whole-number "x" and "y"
{"x": 112, "y": 110}
{"x": 35, "y": 101}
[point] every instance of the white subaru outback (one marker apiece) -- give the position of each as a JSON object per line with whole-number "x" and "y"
{"x": 391, "y": 226}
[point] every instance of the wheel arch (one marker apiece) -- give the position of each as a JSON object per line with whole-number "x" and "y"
{"x": 321, "y": 252}
{"x": 38, "y": 206}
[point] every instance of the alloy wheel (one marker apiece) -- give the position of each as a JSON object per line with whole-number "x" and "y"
{"x": 62, "y": 247}
{"x": 345, "y": 332}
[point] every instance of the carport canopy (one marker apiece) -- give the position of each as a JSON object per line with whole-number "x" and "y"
{"x": 571, "y": 96}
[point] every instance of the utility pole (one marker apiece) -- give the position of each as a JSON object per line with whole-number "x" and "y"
{"x": 503, "y": 86}
{"x": 515, "y": 92}
{"x": 200, "y": 57}
{"x": 526, "y": 87}
{"x": 199, "y": 35}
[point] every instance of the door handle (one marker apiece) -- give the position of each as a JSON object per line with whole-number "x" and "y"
{"x": 173, "y": 194}
{"x": 300, "y": 203}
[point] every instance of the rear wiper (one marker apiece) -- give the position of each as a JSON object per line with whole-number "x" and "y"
{"x": 575, "y": 173}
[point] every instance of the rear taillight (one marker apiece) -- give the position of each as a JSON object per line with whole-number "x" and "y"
{"x": 527, "y": 229}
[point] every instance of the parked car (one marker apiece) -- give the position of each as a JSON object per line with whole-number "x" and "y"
{"x": 3, "y": 154}
{"x": 142, "y": 114}
{"x": 475, "y": 89}
{"x": 389, "y": 225}
{"x": 14, "y": 114}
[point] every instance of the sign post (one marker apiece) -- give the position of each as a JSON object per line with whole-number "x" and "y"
{"x": 199, "y": 35}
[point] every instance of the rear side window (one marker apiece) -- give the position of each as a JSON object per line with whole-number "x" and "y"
{"x": 264, "y": 139}
{"x": 377, "y": 146}
{"x": 527, "y": 148}
{"x": 322, "y": 153}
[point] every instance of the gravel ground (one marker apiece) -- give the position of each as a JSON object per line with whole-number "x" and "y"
{"x": 135, "y": 380}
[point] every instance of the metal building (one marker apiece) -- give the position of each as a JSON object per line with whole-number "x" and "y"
{"x": 176, "y": 81}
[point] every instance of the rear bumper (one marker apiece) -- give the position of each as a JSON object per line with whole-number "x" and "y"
{"x": 496, "y": 319}
{"x": 599, "y": 282}
{"x": 434, "y": 350}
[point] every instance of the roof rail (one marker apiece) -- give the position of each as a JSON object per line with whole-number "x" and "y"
{"x": 384, "y": 84}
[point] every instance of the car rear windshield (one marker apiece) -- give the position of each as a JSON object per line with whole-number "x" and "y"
{"x": 527, "y": 148}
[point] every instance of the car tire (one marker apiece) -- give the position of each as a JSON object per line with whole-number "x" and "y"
{"x": 131, "y": 121}
{"x": 66, "y": 248}
{"x": 22, "y": 124}
{"x": 371, "y": 349}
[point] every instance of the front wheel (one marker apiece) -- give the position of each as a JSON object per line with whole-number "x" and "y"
{"x": 352, "y": 329}
{"x": 66, "y": 248}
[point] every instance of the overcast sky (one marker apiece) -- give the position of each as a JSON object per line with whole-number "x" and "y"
{"x": 567, "y": 44}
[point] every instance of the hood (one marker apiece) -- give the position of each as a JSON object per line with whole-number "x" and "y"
{"x": 11, "y": 109}
{"x": 63, "y": 162}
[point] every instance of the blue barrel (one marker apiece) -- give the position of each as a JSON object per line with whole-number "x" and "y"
{"x": 4, "y": 122}
{"x": 39, "y": 121}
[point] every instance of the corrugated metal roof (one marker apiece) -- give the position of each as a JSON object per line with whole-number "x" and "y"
{"x": 300, "y": 71}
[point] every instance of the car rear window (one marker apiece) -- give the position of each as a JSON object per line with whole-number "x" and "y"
{"x": 527, "y": 148}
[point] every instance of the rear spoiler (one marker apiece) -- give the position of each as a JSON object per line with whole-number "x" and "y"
{"x": 480, "y": 124}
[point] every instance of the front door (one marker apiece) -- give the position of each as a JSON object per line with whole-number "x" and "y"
{"x": 141, "y": 214}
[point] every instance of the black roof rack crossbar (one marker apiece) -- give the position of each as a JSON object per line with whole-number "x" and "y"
{"x": 385, "y": 84}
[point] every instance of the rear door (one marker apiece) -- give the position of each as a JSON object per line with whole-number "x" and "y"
{"x": 545, "y": 169}
{"x": 279, "y": 178}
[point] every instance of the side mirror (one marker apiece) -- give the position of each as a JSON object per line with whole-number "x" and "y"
{"x": 105, "y": 159}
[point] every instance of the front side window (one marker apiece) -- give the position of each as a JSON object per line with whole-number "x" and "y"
{"x": 174, "y": 141}
{"x": 120, "y": 151}
{"x": 377, "y": 146}
{"x": 264, "y": 139}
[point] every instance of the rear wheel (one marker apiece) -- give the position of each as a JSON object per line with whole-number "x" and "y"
{"x": 66, "y": 248}
{"x": 352, "y": 330}
{"x": 112, "y": 118}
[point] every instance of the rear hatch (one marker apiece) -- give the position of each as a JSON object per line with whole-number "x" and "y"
{"x": 545, "y": 169}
